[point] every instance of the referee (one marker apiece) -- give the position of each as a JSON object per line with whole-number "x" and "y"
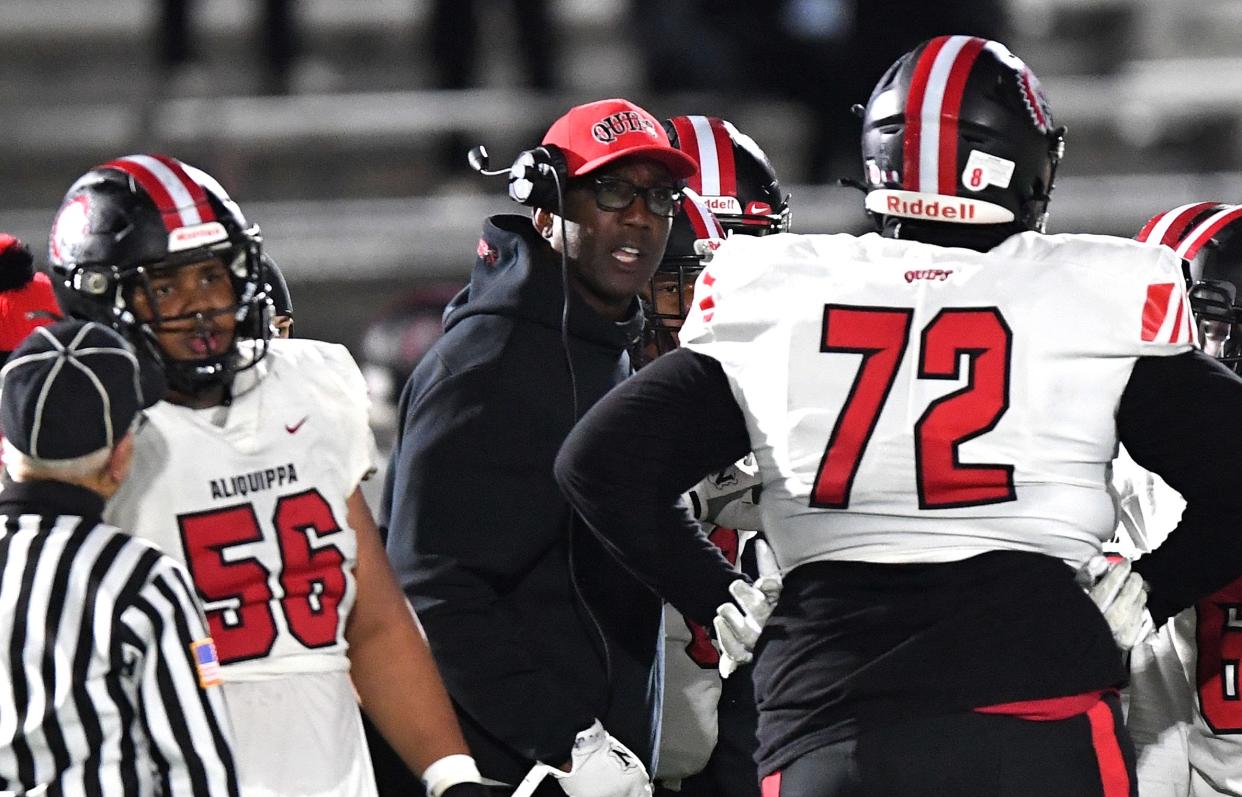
{"x": 106, "y": 668}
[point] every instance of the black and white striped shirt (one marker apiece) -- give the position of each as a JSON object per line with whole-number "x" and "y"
{"x": 99, "y": 689}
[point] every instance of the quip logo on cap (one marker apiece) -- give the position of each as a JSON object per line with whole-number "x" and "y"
{"x": 613, "y": 126}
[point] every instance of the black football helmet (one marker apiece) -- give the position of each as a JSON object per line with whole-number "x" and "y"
{"x": 958, "y": 132}
{"x": 694, "y": 235}
{"x": 736, "y": 180}
{"x": 134, "y": 216}
{"x": 1208, "y": 237}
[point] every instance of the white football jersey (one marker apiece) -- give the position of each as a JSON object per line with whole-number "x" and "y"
{"x": 1147, "y": 507}
{"x": 689, "y": 723}
{"x": 251, "y": 497}
{"x": 890, "y": 386}
{"x": 1184, "y": 701}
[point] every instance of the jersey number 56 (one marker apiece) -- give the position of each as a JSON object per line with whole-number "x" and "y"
{"x": 311, "y": 576}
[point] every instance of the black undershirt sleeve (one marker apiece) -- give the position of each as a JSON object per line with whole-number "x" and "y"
{"x": 1181, "y": 417}
{"x": 627, "y": 462}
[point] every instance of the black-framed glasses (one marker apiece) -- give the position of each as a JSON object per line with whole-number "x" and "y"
{"x": 614, "y": 194}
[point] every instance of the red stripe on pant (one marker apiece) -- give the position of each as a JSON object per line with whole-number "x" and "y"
{"x": 771, "y": 786}
{"x": 1113, "y": 773}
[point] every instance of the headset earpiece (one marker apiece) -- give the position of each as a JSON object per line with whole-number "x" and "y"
{"x": 534, "y": 176}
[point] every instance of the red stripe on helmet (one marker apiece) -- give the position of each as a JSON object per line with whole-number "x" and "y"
{"x": 914, "y": 113}
{"x": 196, "y": 190}
{"x": 702, "y": 221}
{"x": 160, "y": 191}
{"x": 724, "y": 157}
{"x": 153, "y": 188}
{"x": 688, "y": 141}
{"x": 1175, "y": 224}
{"x": 1203, "y": 233}
{"x": 950, "y": 107}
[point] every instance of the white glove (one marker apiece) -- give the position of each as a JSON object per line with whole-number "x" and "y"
{"x": 1121, "y": 596}
{"x": 738, "y": 630}
{"x": 601, "y": 767}
{"x": 729, "y": 498}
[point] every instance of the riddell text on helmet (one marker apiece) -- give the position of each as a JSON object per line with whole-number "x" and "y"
{"x": 958, "y": 211}
{"x": 914, "y": 205}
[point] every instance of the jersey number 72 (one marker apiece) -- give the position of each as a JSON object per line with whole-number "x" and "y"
{"x": 881, "y": 335}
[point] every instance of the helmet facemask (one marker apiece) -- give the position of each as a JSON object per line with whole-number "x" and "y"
{"x": 249, "y": 314}
{"x": 669, "y": 294}
{"x": 1206, "y": 236}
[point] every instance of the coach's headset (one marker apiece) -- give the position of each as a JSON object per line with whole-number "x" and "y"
{"x": 537, "y": 179}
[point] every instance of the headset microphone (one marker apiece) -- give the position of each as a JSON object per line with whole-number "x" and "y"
{"x": 479, "y": 161}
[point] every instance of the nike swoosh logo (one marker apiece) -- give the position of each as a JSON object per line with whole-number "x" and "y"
{"x": 296, "y": 426}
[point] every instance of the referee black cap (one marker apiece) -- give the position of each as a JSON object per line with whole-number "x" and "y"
{"x": 68, "y": 390}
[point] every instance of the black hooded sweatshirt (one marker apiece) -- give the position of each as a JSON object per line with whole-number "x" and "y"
{"x": 536, "y": 629}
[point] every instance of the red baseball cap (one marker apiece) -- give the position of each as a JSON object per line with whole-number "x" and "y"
{"x": 598, "y": 133}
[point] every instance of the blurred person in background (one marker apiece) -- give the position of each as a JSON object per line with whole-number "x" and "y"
{"x": 1185, "y": 700}
{"x": 707, "y": 734}
{"x": 248, "y": 472}
{"x": 394, "y": 342}
{"x": 454, "y": 31}
{"x": 26, "y": 296}
{"x": 550, "y": 649}
{"x": 278, "y": 43}
{"x": 823, "y": 55}
{"x": 27, "y": 299}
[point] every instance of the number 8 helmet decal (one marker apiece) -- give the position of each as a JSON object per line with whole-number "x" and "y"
{"x": 958, "y": 130}
{"x": 138, "y": 214}
{"x": 1206, "y": 236}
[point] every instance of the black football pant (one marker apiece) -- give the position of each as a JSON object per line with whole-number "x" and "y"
{"x": 972, "y": 755}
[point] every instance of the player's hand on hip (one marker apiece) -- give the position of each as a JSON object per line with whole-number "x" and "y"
{"x": 1121, "y": 597}
{"x": 601, "y": 766}
{"x": 739, "y": 625}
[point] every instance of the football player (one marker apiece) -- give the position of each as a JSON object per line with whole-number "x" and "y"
{"x": 707, "y": 739}
{"x": 248, "y": 473}
{"x": 933, "y": 408}
{"x": 1185, "y": 712}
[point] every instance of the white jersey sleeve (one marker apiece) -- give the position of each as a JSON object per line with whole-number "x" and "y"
{"x": 889, "y": 385}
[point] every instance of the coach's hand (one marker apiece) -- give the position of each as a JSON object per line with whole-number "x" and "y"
{"x": 1121, "y": 597}
{"x": 739, "y": 625}
{"x": 600, "y": 766}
